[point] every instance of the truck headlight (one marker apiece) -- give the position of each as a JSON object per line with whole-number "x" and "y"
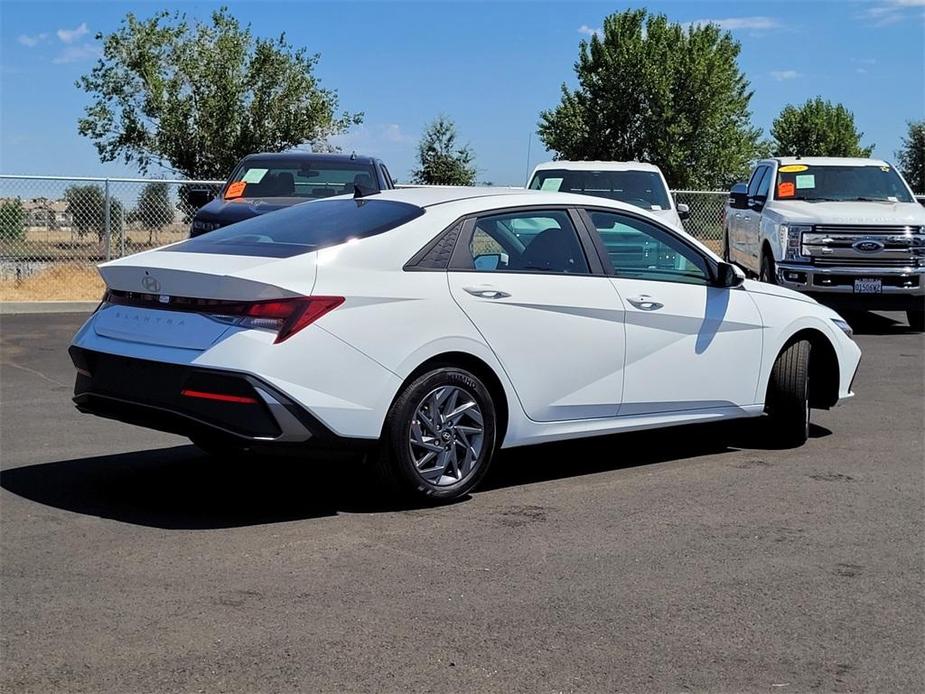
{"x": 791, "y": 239}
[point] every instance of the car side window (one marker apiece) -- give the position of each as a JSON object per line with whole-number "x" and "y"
{"x": 527, "y": 242}
{"x": 757, "y": 180}
{"x": 641, "y": 250}
{"x": 765, "y": 184}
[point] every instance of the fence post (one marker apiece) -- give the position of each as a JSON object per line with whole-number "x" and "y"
{"x": 106, "y": 220}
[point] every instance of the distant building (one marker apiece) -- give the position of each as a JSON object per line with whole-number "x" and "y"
{"x": 48, "y": 214}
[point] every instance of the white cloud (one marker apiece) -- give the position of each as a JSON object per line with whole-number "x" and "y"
{"x": 886, "y": 12}
{"x": 734, "y": 23}
{"x": 72, "y": 35}
{"x": 861, "y": 71}
{"x": 31, "y": 41}
{"x": 76, "y": 54}
{"x": 589, "y": 31}
{"x": 783, "y": 75}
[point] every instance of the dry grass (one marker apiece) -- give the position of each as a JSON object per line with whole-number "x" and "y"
{"x": 58, "y": 283}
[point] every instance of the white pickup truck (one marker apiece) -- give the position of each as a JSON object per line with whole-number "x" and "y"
{"x": 848, "y": 232}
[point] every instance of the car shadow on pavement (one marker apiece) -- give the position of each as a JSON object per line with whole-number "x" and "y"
{"x": 871, "y": 323}
{"x": 182, "y": 488}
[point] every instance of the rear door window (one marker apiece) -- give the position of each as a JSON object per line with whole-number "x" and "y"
{"x": 303, "y": 228}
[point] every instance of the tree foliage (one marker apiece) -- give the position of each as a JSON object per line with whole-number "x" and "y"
{"x": 87, "y": 207}
{"x": 911, "y": 156}
{"x": 196, "y": 97}
{"x": 153, "y": 210}
{"x": 441, "y": 161}
{"x": 818, "y": 128}
{"x": 12, "y": 220}
{"x": 653, "y": 90}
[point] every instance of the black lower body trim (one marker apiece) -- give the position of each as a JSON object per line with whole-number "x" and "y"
{"x": 149, "y": 394}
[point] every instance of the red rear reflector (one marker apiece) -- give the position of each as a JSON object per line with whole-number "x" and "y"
{"x": 221, "y": 397}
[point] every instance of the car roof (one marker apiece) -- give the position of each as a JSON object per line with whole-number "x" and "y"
{"x": 299, "y": 156}
{"x": 829, "y": 161}
{"x": 597, "y": 166}
{"x": 468, "y": 200}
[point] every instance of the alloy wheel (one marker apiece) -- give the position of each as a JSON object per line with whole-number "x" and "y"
{"x": 446, "y": 436}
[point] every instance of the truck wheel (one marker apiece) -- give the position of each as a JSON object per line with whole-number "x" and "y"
{"x": 726, "y": 254}
{"x": 787, "y": 401}
{"x": 768, "y": 272}
{"x": 916, "y": 318}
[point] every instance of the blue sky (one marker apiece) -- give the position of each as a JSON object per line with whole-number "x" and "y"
{"x": 492, "y": 67}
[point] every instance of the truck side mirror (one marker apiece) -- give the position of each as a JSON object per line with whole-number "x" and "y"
{"x": 738, "y": 196}
{"x": 684, "y": 212}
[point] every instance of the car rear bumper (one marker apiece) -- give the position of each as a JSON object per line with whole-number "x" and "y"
{"x": 194, "y": 401}
{"x": 902, "y": 287}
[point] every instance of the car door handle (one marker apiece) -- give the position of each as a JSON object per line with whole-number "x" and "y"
{"x": 486, "y": 292}
{"x": 644, "y": 302}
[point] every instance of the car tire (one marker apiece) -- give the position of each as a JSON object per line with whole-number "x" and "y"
{"x": 768, "y": 271}
{"x": 787, "y": 402}
{"x": 442, "y": 458}
{"x": 916, "y": 318}
{"x": 727, "y": 256}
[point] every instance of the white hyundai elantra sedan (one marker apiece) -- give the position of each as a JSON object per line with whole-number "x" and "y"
{"x": 430, "y": 327}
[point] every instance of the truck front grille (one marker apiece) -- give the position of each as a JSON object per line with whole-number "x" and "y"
{"x": 869, "y": 246}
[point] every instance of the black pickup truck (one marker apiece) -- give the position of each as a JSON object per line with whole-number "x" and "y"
{"x": 262, "y": 183}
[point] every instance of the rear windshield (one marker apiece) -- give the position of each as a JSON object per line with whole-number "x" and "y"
{"x": 308, "y": 179}
{"x": 303, "y": 228}
{"x": 643, "y": 189}
{"x": 875, "y": 183}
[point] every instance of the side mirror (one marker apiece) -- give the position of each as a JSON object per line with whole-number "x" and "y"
{"x": 728, "y": 275}
{"x": 684, "y": 212}
{"x": 197, "y": 197}
{"x": 757, "y": 202}
{"x": 738, "y": 196}
{"x": 487, "y": 262}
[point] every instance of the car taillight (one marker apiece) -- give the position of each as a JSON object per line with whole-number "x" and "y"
{"x": 288, "y": 316}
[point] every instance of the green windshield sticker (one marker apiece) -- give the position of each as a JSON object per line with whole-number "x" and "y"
{"x": 551, "y": 184}
{"x": 254, "y": 175}
{"x": 806, "y": 181}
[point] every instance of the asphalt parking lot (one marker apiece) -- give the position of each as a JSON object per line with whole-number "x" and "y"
{"x": 667, "y": 561}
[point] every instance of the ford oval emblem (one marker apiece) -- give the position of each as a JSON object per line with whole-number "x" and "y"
{"x": 867, "y": 246}
{"x": 151, "y": 284}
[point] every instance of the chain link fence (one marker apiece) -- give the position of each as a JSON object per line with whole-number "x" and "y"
{"x": 55, "y": 230}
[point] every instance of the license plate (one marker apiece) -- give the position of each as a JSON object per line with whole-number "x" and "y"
{"x": 865, "y": 286}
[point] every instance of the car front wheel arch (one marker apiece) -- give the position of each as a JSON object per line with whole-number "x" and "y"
{"x": 824, "y": 376}
{"x": 478, "y": 368}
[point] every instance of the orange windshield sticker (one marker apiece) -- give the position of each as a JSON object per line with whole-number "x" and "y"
{"x": 235, "y": 190}
{"x": 787, "y": 189}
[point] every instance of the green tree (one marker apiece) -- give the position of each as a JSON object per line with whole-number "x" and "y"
{"x": 653, "y": 90}
{"x": 153, "y": 210}
{"x": 818, "y": 128}
{"x": 911, "y": 156}
{"x": 441, "y": 161}
{"x": 195, "y": 97}
{"x": 12, "y": 220}
{"x": 87, "y": 207}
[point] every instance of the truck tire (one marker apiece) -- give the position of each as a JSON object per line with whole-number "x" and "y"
{"x": 768, "y": 271}
{"x": 916, "y": 318}
{"x": 726, "y": 255}
{"x": 787, "y": 401}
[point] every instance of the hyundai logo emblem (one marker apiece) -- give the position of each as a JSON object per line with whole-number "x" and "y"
{"x": 867, "y": 246}
{"x": 151, "y": 284}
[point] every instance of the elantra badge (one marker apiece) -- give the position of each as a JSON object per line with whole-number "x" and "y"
{"x": 867, "y": 246}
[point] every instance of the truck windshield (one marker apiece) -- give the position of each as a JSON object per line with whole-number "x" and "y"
{"x": 643, "y": 189}
{"x": 874, "y": 183}
{"x": 303, "y": 179}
